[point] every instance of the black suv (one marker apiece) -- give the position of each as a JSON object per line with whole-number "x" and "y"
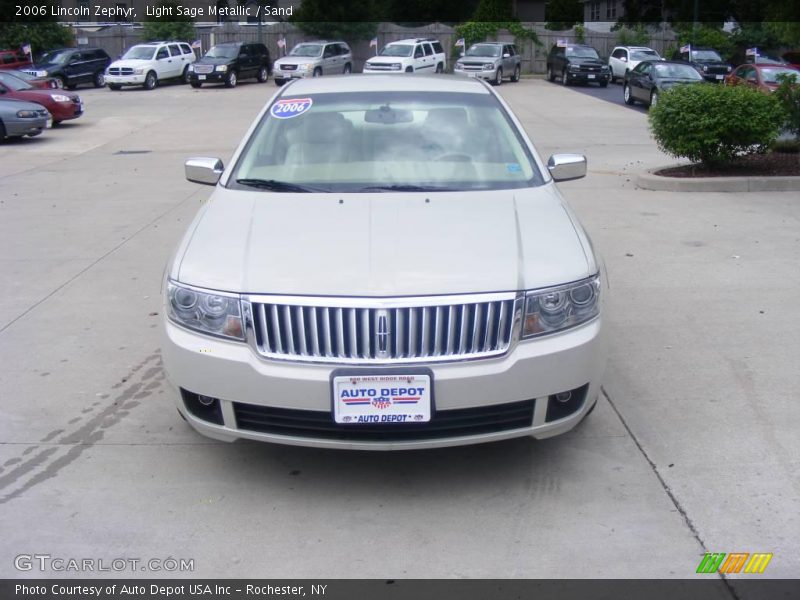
{"x": 707, "y": 61}
{"x": 577, "y": 62}
{"x": 73, "y": 66}
{"x": 227, "y": 63}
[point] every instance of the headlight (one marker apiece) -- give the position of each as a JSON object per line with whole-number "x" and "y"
{"x": 705, "y": 67}
{"x": 730, "y": 68}
{"x": 562, "y": 307}
{"x": 139, "y": 71}
{"x": 488, "y": 66}
{"x": 41, "y": 73}
{"x": 307, "y": 66}
{"x": 221, "y": 68}
{"x": 27, "y": 114}
{"x": 458, "y": 67}
{"x": 206, "y": 312}
{"x": 60, "y": 98}
{"x": 574, "y": 68}
{"x": 367, "y": 66}
{"x": 604, "y": 68}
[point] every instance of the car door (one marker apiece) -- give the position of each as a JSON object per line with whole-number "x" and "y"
{"x": 615, "y": 62}
{"x": 163, "y": 63}
{"x": 176, "y": 60}
{"x": 646, "y": 82}
{"x": 635, "y": 81}
{"x": 737, "y": 77}
{"x": 245, "y": 61}
{"x": 329, "y": 55}
{"x": 73, "y": 68}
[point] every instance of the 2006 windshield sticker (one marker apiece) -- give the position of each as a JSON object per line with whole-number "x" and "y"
{"x": 290, "y": 108}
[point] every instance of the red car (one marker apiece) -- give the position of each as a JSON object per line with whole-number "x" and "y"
{"x": 63, "y": 105}
{"x": 13, "y": 59}
{"x": 42, "y": 83}
{"x": 763, "y": 77}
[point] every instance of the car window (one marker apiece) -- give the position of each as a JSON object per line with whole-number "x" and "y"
{"x": 348, "y": 142}
{"x": 706, "y": 55}
{"x": 397, "y": 50}
{"x": 644, "y": 55}
{"x": 483, "y": 50}
{"x": 14, "y": 83}
{"x": 308, "y": 50}
{"x": 186, "y": 48}
{"x": 581, "y": 52}
{"x": 418, "y": 52}
{"x": 139, "y": 53}
{"x": 174, "y": 50}
{"x": 771, "y": 74}
{"x": 8, "y": 59}
{"x": 222, "y": 52}
{"x": 244, "y": 51}
{"x": 344, "y": 49}
{"x": 162, "y": 53}
{"x": 640, "y": 68}
{"x": 676, "y": 71}
{"x": 619, "y": 53}
{"x": 428, "y": 49}
{"x": 437, "y": 47}
{"x": 512, "y": 50}
{"x": 330, "y": 50}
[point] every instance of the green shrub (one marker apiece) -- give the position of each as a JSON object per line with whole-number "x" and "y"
{"x": 638, "y": 36}
{"x": 788, "y": 94}
{"x": 713, "y": 124}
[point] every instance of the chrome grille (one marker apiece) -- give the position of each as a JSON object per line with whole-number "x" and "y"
{"x": 120, "y": 71}
{"x": 348, "y": 331}
{"x": 203, "y": 69}
{"x": 288, "y": 67}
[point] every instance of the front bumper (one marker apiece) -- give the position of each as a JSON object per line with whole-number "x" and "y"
{"x": 126, "y": 79}
{"x": 589, "y": 77}
{"x": 715, "y": 77}
{"x": 29, "y": 127}
{"x": 488, "y": 74}
{"x": 280, "y": 75}
{"x": 530, "y": 371}
{"x": 213, "y": 77}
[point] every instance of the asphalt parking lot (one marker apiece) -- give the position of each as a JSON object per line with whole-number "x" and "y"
{"x": 611, "y": 93}
{"x": 693, "y": 447}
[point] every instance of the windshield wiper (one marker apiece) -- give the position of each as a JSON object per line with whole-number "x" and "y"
{"x": 277, "y": 186}
{"x": 406, "y": 188}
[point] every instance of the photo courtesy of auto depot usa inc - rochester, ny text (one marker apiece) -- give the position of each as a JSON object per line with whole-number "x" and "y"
{"x": 108, "y": 10}
{"x": 161, "y": 591}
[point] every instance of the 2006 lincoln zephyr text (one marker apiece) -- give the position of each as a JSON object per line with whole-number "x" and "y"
{"x": 385, "y": 264}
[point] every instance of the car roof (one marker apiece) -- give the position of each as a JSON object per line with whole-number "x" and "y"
{"x": 412, "y": 41}
{"x": 387, "y": 83}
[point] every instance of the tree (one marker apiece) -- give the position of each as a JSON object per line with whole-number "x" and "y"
{"x": 494, "y": 11}
{"x": 41, "y": 36}
{"x": 563, "y": 14}
{"x": 326, "y": 19}
{"x": 179, "y": 27}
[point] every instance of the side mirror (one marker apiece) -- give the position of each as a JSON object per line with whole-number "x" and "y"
{"x": 506, "y": 55}
{"x": 623, "y": 59}
{"x": 201, "y": 169}
{"x": 564, "y": 167}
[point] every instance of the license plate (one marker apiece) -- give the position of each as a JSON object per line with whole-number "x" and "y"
{"x": 201, "y": 77}
{"x": 720, "y": 76}
{"x": 382, "y": 399}
{"x": 590, "y": 76}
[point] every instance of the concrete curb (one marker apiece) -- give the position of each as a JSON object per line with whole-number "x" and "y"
{"x": 650, "y": 181}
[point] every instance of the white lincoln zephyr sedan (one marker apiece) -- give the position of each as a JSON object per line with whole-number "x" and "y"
{"x": 386, "y": 263}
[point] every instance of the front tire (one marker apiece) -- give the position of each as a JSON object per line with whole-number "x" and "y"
{"x": 627, "y": 95}
{"x": 263, "y": 75}
{"x": 230, "y": 79}
{"x": 551, "y": 77}
{"x": 150, "y": 81}
{"x": 498, "y": 76}
{"x": 515, "y": 76}
{"x": 185, "y": 78}
{"x": 409, "y": 69}
{"x": 196, "y": 84}
{"x": 564, "y": 78}
{"x": 99, "y": 79}
{"x": 440, "y": 68}
{"x": 114, "y": 87}
{"x": 317, "y": 72}
{"x": 348, "y": 68}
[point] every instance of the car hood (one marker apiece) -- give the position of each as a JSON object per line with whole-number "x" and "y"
{"x": 296, "y": 60}
{"x": 39, "y": 95}
{"x": 386, "y": 60}
{"x": 214, "y": 61}
{"x": 44, "y": 67}
{"x": 131, "y": 63}
{"x": 383, "y": 245}
{"x": 17, "y": 104}
{"x": 586, "y": 61}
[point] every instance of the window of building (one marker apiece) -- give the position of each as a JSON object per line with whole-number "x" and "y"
{"x": 611, "y": 10}
{"x": 594, "y": 11}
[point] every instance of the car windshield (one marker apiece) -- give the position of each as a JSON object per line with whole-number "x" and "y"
{"x": 14, "y": 83}
{"x": 310, "y": 50}
{"x": 397, "y": 50}
{"x": 140, "y": 53}
{"x": 386, "y": 141}
{"x": 484, "y": 50}
{"x": 644, "y": 55}
{"x": 580, "y": 52}
{"x": 21, "y": 74}
{"x": 706, "y": 55}
{"x": 223, "y": 52}
{"x": 764, "y": 58}
{"x": 770, "y": 74}
{"x": 58, "y": 57}
{"x": 670, "y": 71}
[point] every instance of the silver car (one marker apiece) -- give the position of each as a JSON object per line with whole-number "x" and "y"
{"x": 19, "y": 118}
{"x": 313, "y": 59}
{"x": 490, "y": 60}
{"x": 386, "y": 263}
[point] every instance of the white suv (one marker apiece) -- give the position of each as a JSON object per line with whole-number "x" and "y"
{"x": 625, "y": 58}
{"x": 147, "y": 64}
{"x": 417, "y": 55}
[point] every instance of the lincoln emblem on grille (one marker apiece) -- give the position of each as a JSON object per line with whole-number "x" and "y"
{"x": 382, "y": 333}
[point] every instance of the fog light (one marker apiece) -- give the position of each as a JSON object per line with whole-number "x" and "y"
{"x": 202, "y": 407}
{"x": 564, "y": 404}
{"x": 208, "y": 400}
{"x": 562, "y": 397}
